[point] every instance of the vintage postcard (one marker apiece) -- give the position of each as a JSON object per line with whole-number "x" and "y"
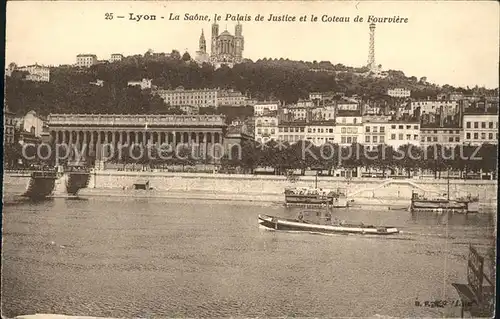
{"x": 250, "y": 159}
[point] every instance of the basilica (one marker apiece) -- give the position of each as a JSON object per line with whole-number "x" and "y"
{"x": 225, "y": 48}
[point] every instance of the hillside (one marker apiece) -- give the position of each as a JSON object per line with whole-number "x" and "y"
{"x": 70, "y": 91}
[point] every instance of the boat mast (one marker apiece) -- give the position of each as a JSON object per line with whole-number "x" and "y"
{"x": 448, "y": 192}
{"x": 316, "y": 180}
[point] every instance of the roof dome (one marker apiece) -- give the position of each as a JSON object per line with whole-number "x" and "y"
{"x": 226, "y": 34}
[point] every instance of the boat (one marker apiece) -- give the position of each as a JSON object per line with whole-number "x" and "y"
{"x": 316, "y": 196}
{"x": 467, "y": 204}
{"x": 329, "y": 227}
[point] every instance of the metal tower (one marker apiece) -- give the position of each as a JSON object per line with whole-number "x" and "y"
{"x": 371, "y": 50}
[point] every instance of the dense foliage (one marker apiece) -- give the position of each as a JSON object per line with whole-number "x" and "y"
{"x": 70, "y": 89}
{"x": 302, "y": 156}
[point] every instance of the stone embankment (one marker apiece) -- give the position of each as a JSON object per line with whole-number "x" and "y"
{"x": 264, "y": 188}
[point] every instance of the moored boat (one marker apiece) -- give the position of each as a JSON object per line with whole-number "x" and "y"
{"x": 315, "y": 196}
{"x": 461, "y": 205}
{"x": 299, "y": 224}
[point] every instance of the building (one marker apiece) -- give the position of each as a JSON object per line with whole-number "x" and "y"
{"x": 349, "y": 127}
{"x": 226, "y": 49}
{"x": 266, "y": 128}
{"x": 201, "y": 55}
{"x": 116, "y": 57}
{"x": 32, "y": 123}
{"x": 231, "y": 98}
{"x": 144, "y": 84}
{"x": 375, "y": 131}
{"x": 263, "y": 108}
{"x": 480, "y": 127}
{"x": 197, "y": 98}
{"x": 86, "y": 60}
{"x": 445, "y": 136}
{"x": 399, "y": 93}
{"x": 11, "y": 68}
{"x": 402, "y": 132}
{"x": 291, "y": 132}
{"x": 9, "y": 126}
{"x": 36, "y": 72}
{"x": 89, "y": 132}
{"x": 434, "y": 106}
{"x": 320, "y": 133}
{"x": 98, "y": 83}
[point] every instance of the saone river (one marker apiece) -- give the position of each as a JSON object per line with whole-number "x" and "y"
{"x": 125, "y": 257}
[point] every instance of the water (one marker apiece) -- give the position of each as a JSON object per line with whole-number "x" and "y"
{"x": 123, "y": 257}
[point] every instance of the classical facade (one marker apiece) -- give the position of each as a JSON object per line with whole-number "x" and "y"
{"x": 88, "y": 133}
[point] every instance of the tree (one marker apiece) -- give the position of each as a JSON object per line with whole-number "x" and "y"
{"x": 175, "y": 55}
{"x": 186, "y": 57}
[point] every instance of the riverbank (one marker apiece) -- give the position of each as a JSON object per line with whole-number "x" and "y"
{"x": 269, "y": 189}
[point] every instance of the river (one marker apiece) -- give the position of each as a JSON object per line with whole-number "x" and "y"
{"x": 125, "y": 257}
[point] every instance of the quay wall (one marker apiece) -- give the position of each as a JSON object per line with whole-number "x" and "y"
{"x": 274, "y": 185}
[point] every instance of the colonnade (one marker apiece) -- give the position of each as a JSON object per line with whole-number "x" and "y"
{"x": 88, "y": 141}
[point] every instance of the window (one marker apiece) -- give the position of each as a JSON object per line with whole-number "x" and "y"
{"x": 408, "y": 136}
{"x": 393, "y": 136}
{"x": 415, "y": 127}
{"x": 302, "y": 130}
{"x": 450, "y": 139}
{"x": 400, "y": 137}
{"x": 309, "y": 130}
{"x": 375, "y": 139}
{"x": 272, "y": 131}
{"x": 367, "y": 129}
{"x": 457, "y": 139}
{"x": 408, "y": 127}
{"x": 393, "y": 127}
{"x": 476, "y": 125}
{"x": 382, "y": 129}
{"x": 355, "y": 120}
{"x": 259, "y": 131}
{"x": 382, "y": 139}
{"x": 349, "y": 131}
{"x": 435, "y": 139}
{"x": 343, "y": 120}
{"x": 467, "y": 136}
{"x": 342, "y": 130}
{"x": 349, "y": 139}
{"x": 367, "y": 139}
{"x": 400, "y": 127}
{"x": 354, "y": 139}
{"x": 490, "y": 125}
{"x": 483, "y": 124}
{"x": 330, "y": 130}
{"x": 490, "y": 136}
{"x": 342, "y": 139}
{"x": 415, "y": 137}
{"x": 483, "y": 135}
{"x": 286, "y": 129}
{"x": 476, "y": 136}
{"x": 374, "y": 129}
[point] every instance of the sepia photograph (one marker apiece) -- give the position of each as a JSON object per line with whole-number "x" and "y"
{"x": 250, "y": 159}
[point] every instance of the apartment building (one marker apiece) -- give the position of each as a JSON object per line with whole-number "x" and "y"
{"x": 263, "y": 108}
{"x": 480, "y": 128}
{"x": 446, "y": 107}
{"x": 116, "y": 57}
{"x": 445, "y": 136}
{"x": 399, "y": 133}
{"x": 375, "y": 131}
{"x": 348, "y": 128}
{"x": 37, "y": 73}
{"x": 86, "y": 60}
{"x": 231, "y": 98}
{"x": 266, "y": 128}
{"x": 399, "y": 92}
{"x": 182, "y": 97}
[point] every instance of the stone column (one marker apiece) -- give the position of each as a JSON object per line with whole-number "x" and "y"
{"x": 98, "y": 146}
{"x": 85, "y": 144}
{"x": 136, "y": 135}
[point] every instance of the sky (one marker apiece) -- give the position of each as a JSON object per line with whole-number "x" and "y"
{"x": 454, "y": 43}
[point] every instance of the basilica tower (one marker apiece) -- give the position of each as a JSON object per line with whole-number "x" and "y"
{"x": 215, "y": 34}
{"x": 203, "y": 43}
{"x": 239, "y": 40}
